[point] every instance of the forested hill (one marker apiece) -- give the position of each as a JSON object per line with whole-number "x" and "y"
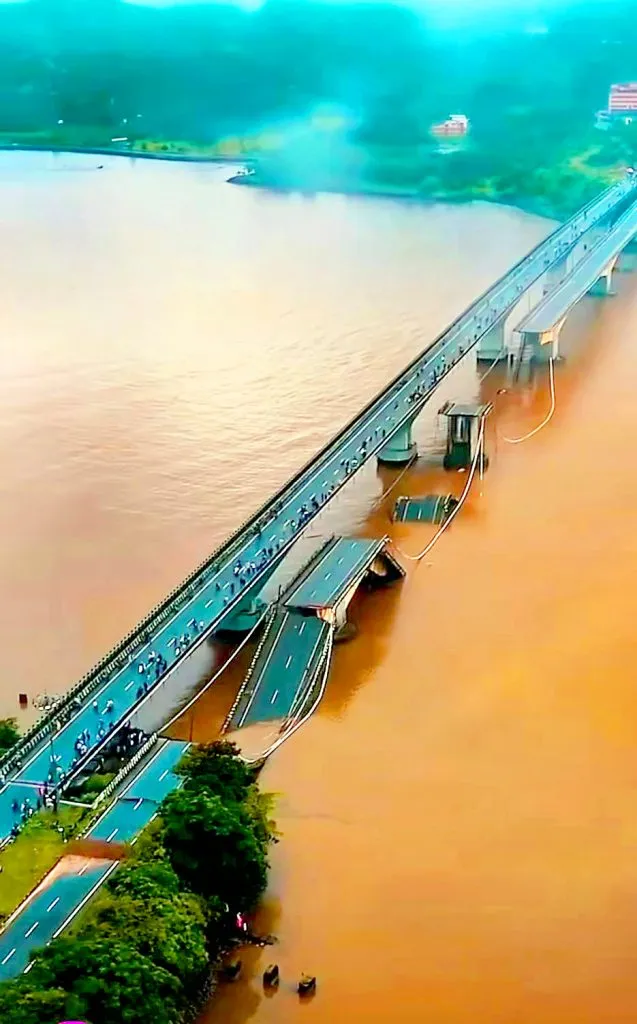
{"x": 530, "y": 75}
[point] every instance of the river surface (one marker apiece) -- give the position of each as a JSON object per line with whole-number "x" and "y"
{"x": 459, "y": 818}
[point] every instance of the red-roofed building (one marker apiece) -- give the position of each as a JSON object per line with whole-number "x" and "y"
{"x": 623, "y": 99}
{"x": 622, "y": 105}
{"x": 455, "y": 127}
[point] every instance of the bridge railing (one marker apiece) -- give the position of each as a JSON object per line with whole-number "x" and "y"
{"x": 117, "y": 657}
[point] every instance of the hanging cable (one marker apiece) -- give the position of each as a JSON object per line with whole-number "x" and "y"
{"x": 297, "y": 725}
{"x": 434, "y": 540}
{"x": 394, "y": 484}
{"x": 493, "y": 364}
{"x": 549, "y": 415}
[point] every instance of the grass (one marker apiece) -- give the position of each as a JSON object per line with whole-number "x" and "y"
{"x": 38, "y": 847}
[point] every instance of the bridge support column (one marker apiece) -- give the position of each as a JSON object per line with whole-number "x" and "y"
{"x": 249, "y": 610}
{"x": 464, "y": 423}
{"x": 540, "y": 348}
{"x": 604, "y": 284}
{"x": 400, "y": 449}
{"x": 492, "y": 345}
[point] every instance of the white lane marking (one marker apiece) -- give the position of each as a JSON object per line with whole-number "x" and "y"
{"x": 54, "y": 904}
{"x": 138, "y": 804}
{"x": 8, "y": 957}
{"x": 305, "y": 672}
{"x": 113, "y": 833}
{"x": 208, "y": 603}
{"x": 28, "y": 967}
{"x": 163, "y": 775}
{"x": 274, "y": 696}
{"x": 82, "y": 869}
{"x": 31, "y": 930}
{"x": 302, "y": 627}
{"x": 327, "y": 575}
{"x": 88, "y": 896}
{"x": 132, "y": 683}
{"x": 395, "y": 391}
{"x": 267, "y": 662}
{"x": 287, "y": 664}
{"x": 340, "y": 561}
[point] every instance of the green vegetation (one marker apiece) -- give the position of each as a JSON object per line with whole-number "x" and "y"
{"x": 338, "y": 96}
{"x": 9, "y": 734}
{"x": 144, "y": 949}
{"x": 38, "y": 847}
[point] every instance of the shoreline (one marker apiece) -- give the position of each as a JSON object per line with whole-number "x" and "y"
{"x": 527, "y": 204}
{"x": 133, "y": 154}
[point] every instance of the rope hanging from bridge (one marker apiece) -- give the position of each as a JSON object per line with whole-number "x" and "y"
{"x": 549, "y": 415}
{"x": 495, "y": 362}
{"x": 477, "y": 458}
{"x": 380, "y": 500}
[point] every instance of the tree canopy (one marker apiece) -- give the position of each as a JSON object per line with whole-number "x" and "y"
{"x": 214, "y": 847}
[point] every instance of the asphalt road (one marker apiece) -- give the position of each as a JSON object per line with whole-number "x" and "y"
{"x": 334, "y": 574}
{"x": 46, "y": 913}
{"x": 138, "y": 802}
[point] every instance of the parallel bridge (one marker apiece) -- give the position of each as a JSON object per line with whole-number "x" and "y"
{"x": 223, "y": 591}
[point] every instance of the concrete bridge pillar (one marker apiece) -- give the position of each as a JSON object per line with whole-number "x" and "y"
{"x": 250, "y": 608}
{"x": 492, "y": 344}
{"x": 604, "y": 284}
{"x": 540, "y": 348}
{"x": 400, "y": 449}
{"x": 464, "y": 426}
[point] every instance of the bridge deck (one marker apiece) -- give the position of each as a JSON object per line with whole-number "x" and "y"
{"x": 435, "y": 508}
{"x": 339, "y": 567}
{"x": 285, "y": 669}
{"x": 558, "y": 302}
{"x": 224, "y": 583}
{"x": 138, "y": 802}
{"x": 47, "y": 910}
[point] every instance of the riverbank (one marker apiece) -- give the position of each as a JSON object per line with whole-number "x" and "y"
{"x": 528, "y": 204}
{"x": 311, "y": 161}
{"x": 156, "y": 933}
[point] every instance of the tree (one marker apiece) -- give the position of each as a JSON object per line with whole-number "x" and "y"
{"x": 108, "y": 981}
{"x": 9, "y": 734}
{"x": 21, "y": 1003}
{"x": 214, "y": 847}
{"x": 219, "y": 768}
{"x": 145, "y": 881}
{"x": 168, "y": 930}
{"x": 145, "y": 906}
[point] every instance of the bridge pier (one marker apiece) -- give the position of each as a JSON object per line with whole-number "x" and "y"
{"x": 540, "y": 347}
{"x": 463, "y": 432}
{"x": 400, "y": 449}
{"x": 603, "y": 286}
{"x": 250, "y": 608}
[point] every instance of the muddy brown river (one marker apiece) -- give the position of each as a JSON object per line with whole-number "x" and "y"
{"x": 459, "y": 818}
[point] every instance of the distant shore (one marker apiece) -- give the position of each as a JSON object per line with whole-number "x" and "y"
{"x": 133, "y": 154}
{"x": 528, "y": 204}
{"x": 536, "y": 205}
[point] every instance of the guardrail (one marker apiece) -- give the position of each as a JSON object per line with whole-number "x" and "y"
{"x": 558, "y": 243}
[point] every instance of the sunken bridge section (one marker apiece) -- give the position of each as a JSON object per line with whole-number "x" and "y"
{"x": 288, "y": 672}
